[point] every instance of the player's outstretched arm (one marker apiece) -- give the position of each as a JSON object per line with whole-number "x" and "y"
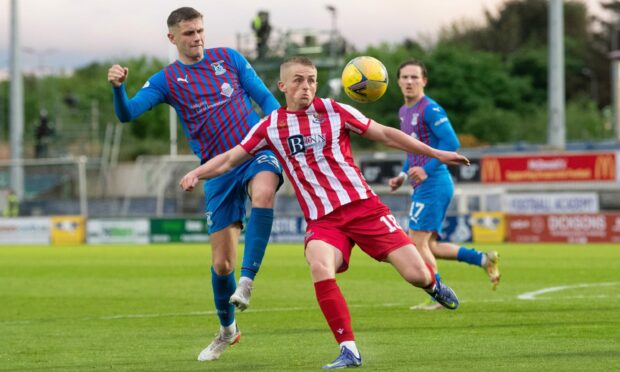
{"x": 397, "y": 139}
{"x": 214, "y": 167}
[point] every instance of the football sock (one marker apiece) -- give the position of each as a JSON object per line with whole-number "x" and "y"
{"x": 223, "y": 287}
{"x": 470, "y": 255}
{"x": 335, "y": 309}
{"x": 229, "y": 330}
{"x": 256, "y": 239}
{"x": 351, "y": 346}
{"x": 434, "y": 278}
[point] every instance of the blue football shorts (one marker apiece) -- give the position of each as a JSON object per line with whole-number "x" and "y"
{"x": 226, "y": 195}
{"x": 429, "y": 203}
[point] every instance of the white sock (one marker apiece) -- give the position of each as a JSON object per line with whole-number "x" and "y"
{"x": 245, "y": 279}
{"x": 432, "y": 289}
{"x": 351, "y": 346}
{"x": 483, "y": 263}
{"x": 230, "y": 330}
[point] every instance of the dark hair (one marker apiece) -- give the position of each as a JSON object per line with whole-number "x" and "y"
{"x": 412, "y": 62}
{"x": 182, "y": 14}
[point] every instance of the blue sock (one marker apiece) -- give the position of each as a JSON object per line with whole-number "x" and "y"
{"x": 223, "y": 287}
{"x": 437, "y": 276}
{"x": 256, "y": 239}
{"x": 470, "y": 255}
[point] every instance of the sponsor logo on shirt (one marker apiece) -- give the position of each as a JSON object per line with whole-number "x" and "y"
{"x": 218, "y": 68}
{"x": 185, "y": 80}
{"x": 414, "y": 119}
{"x": 299, "y": 143}
{"x": 226, "y": 90}
{"x": 204, "y": 106}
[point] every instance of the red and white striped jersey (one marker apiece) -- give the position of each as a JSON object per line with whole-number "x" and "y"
{"x": 314, "y": 147}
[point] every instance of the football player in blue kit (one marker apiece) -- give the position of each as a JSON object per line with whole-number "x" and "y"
{"x": 422, "y": 118}
{"x": 211, "y": 91}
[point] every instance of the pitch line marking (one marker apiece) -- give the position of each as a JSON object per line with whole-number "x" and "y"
{"x": 532, "y": 295}
{"x": 191, "y": 313}
{"x": 528, "y": 296}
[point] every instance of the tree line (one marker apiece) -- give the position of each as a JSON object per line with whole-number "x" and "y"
{"x": 490, "y": 76}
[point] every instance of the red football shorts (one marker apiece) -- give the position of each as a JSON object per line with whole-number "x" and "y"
{"x": 367, "y": 223}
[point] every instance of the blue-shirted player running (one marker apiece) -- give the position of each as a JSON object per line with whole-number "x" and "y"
{"x": 433, "y": 188}
{"x": 210, "y": 90}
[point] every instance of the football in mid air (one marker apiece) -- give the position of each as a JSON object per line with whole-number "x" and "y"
{"x": 364, "y": 79}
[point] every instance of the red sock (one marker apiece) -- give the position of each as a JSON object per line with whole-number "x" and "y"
{"x": 430, "y": 269}
{"x": 335, "y": 309}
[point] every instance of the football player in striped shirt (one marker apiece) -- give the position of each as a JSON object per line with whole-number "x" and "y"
{"x": 310, "y": 137}
{"x": 422, "y": 118}
{"x": 210, "y": 89}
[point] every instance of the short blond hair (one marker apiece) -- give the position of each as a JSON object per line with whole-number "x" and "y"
{"x": 296, "y": 60}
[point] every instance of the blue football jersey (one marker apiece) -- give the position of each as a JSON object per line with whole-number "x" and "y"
{"x": 428, "y": 122}
{"x": 211, "y": 98}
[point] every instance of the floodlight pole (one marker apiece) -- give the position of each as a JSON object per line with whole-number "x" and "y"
{"x": 333, "y": 36}
{"x": 614, "y": 56}
{"x": 17, "y": 107}
{"x": 556, "y": 128}
{"x": 172, "y": 115}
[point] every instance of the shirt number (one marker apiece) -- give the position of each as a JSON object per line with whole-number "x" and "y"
{"x": 390, "y": 222}
{"x": 416, "y": 209}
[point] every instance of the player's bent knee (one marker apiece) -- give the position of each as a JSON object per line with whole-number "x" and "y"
{"x": 320, "y": 270}
{"x": 224, "y": 267}
{"x": 263, "y": 189}
{"x": 263, "y": 198}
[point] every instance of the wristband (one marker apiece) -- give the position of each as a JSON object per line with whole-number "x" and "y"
{"x": 403, "y": 174}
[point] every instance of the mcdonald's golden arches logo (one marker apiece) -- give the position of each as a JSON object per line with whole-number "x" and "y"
{"x": 491, "y": 170}
{"x": 605, "y": 167}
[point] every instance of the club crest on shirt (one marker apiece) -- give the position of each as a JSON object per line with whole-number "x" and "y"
{"x": 317, "y": 118}
{"x": 218, "y": 68}
{"x": 414, "y": 119}
{"x": 226, "y": 90}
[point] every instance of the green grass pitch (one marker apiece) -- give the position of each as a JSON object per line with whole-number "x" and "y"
{"x": 149, "y": 308}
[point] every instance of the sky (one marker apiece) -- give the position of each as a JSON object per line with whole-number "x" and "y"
{"x": 65, "y": 34}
